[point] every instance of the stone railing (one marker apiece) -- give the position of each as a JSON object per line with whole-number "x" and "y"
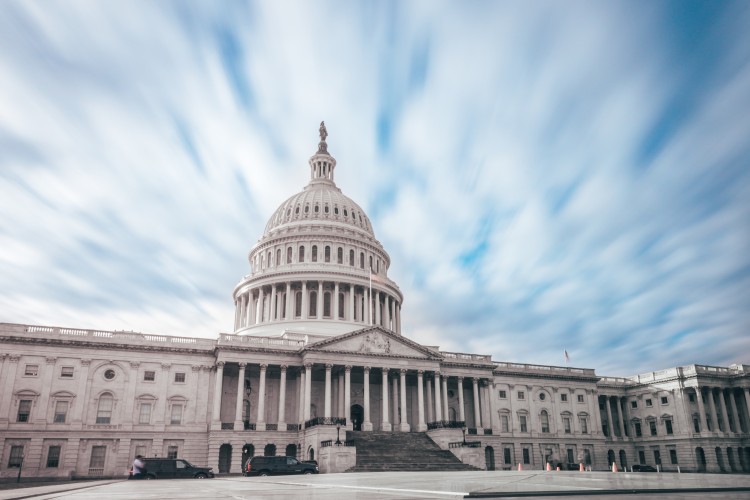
{"x": 248, "y": 426}
{"x": 544, "y": 369}
{"x": 276, "y": 343}
{"x": 445, "y": 424}
{"x": 463, "y": 357}
{"x": 292, "y": 427}
{"x": 330, "y": 442}
{"x": 272, "y": 427}
{"x": 465, "y": 444}
{"x": 227, "y": 426}
{"x": 325, "y": 421}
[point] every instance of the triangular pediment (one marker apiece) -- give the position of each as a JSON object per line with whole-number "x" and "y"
{"x": 374, "y": 341}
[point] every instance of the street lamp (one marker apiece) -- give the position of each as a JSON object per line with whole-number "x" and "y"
{"x": 338, "y": 430}
{"x": 20, "y": 466}
{"x": 463, "y": 429}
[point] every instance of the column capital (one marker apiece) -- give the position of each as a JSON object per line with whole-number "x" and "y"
{"x": 329, "y": 366}
{"x": 166, "y": 366}
{"x": 460, "y": 380}
{"x": 51, "y": 360}
{"x": 308, "y": 366}
{"x": 284, "y": 367}
{"x": 348, "y": 368}
{"x": 84, "y": 362}
{"x": 420, "y": 372}
{"x": 242, "y": 365}
{"x": 385, "y": 370}
{"x": 219, "y": 364}
{"x": 263, "y": 367}
{"x": 366, "y": 369}
{"x": 136, "y": 364}
{"x": 436, "y": 373}
{"x": 402, "y": 371}
{"x": 195, "y": 368}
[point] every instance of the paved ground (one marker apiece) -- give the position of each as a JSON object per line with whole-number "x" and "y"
{"x": 407, "y": 485}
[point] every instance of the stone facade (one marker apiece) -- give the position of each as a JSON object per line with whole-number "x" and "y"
{"x": 317, "y": 344}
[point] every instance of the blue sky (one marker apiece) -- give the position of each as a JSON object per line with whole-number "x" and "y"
{"x": 545, "y": 175}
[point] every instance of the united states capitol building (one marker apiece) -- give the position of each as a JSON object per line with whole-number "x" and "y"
{"x": 318, "y": 355}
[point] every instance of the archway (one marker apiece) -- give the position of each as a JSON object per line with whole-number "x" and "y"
{"x": 700, "y": 457}
{"x": 225, "y": 458}
{"x": 269, "y": 450}
{"x": 730, "y": 459}
{"x": 623, "y": 459}
{"x": 489, "y": 458}
{"x": 357, "y": 414}
{"x": 291, "y": 450}
{"x": 311, "y": 454}
{"x": 452, "y": 414}
{"x": 720, "y": 459}
{"x": 248, "y": 451}
{"x": 610, "y": 458}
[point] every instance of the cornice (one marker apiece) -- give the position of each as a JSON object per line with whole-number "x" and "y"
{"x": 105, "y": 345}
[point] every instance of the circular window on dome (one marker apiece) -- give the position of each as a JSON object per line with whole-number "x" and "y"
{"x": 542, "y": 396}
{"x": 109, "y": 374}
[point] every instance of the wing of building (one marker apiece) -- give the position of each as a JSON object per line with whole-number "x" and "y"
{"x": 317, "y": 357}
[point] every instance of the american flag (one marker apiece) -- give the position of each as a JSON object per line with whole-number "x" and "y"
{"x": 567, "y": 358}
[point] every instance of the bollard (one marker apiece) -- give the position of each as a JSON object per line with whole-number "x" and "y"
{"x": 519, "y": 467}
{"x": 580, "y": 467}
{"x": 678, "y": 470}
{"x": 614, "y": 466}
{"x": 549, "y": 467}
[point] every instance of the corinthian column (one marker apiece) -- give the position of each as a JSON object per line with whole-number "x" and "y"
{"x": 348, "y": 395}
{"x": 404, "y": 413}
{"x": 217, "y": 394}
{"x": 477, "y": 412}
{"x": 308, "y": 389}
{"x": 385, "y": 425}
{"x": 438, "y": 404}
{"x": 238, "y": 424}
{"x": 367, "y": 425}
{"x": 421, "y": 426}
{"x": 327, "y": 413}
{"x": 261, "y": 425}
{"x": 282, "y": 399}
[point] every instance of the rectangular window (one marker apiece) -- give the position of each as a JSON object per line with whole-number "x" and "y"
{"x": 691, "y": 398}
{"x": 179, "y": 377}
{"x": 657, "y": 457}
{"x": 580, "y": 398}
{"x": 649, "y": 403}
{"x": 149, "y": 376}
{"x": 584, "y": 426}
{"x": 587, "y": 456}
{"x": 664, "y": 400}
{"x": 502, "y": 395}
{"x": 66, "y": 372}
{"x": 172, "y": 452}
{"x": 61, "y": 412}
{"x": 98, "y": 453}
{"x": 53, "y": 457}
{"x": 522, "y": 421}
{"x": 566, "y": 425}
{"x": 24, "y": 410}
{"x": 673, "y": 456}
{"x": 16, "y": 456}
{"x": 563, "y": 398}
{"x": 526, "y": 456}
{"x": 144, "y": 416}
{"x": 641, "y": 457}
{"x": 696, "y": 425}
{"x": 571, "y": 458}
{"x": 31, "y": 370}
{"x": 504, "y": 422}
{"x": 521, "y": 395}
{"x": 506, "y": 456}
{"x": 176, "y": 417}
{"x": 638, "y": 432}
{"x": 668, "y": 425}
{"x": 634, "y": 404}
{"x": 652, "y": 427}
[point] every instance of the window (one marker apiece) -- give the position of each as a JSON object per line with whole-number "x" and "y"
{"x": 652, "y": 427}
{"x": 179, "y": 377}
{"x": 149, "y": 376}
{"x": 506, "y": 456}
{"x": 53, "y": 457}
{"x": 144, "y": 415}
{"x": 544, "y": 417}
{"x": 109, "y": 374}
{"x": 638, "y": 432}
{"x": 98, "y": 453}
{"x": 351, "y": 258}
{"x": 502, "y": 394}
{"x": 564, "y": 398}
{"x": 691, "y": 398}
{"x": 522, "y": 421}
{"x": 580, "y": 398}
{"x": 664, "y": 400}
{"x": 341, "y": 305}
{"x": 584, "y": 426}
{"x": 313, "y": 304}
{"x": 657, "y": 457}
{"x": 104, "y": 409}
{"x": 315, "y": 253}
{"x": 504, "y": 422}
{"x": 542, "y": 396}
{"x": 289, "y": 255}
{"x": 176, "y": 417}
{"x": 31, "y": 370}
{"x": 634, "y": 404}
{"x": 61, "y": 412}
{"x": 587, "y": 456}
{"x": 340, "y": 256}
{"x": 278, "y": 256}
{"x": 673, "y": 456}
{"x": 361, "y": 260}
{"x": 16, "y": 456}
{"x": 172, "y": 453}
{"x": 66, "y": 372}
{"x": 649, "y": 403}
{"x": 526, "y": 456}
{"x": 140, "y": 450}
{"x": 24, "y": 410}
{"x": 641, "y": 457}
{"x": 668, "y": 426}
{"x": 521, "y": 395}
{"x": 327, "y": 254}
{"x": 696, "y": 424}
{"x": 566, "y": 424}
{"x": 301, "y": 254}
{"x": 327, "y": 304}
{"x": 571, "y": 458}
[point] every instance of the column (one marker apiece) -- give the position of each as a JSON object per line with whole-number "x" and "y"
{"x": 421, "y": 426}
{"x": 385, "y": 426}
{"x": 238, "y": 424}
{"x": 617, "y": 417}
{"x": 249, "y": 318}
{"x": 446, "y": 416}
{"x": 610, "y": 423}
{"x": 367, "y": 425}
{"x": 490, "y": 398}
{"x": 735, "y": 415}
{"x": 272, "y": 312}
{"x": 724, "y": 414}
{"x": 217, "y": 393}
{"x": 301, "y": 384}
{"x": 327, "y": 411}
{"x": 386, "y": 311}
{"x": 336, "y": 304}
{"x": 367, "y": 313}
{"x": 377, "y": 308}
{"x": 305, "y": 304}
{"x": 746, "y": 393}
{"x": 289, "y": 314}
{"x": 398, "y": 317}
{"x": 438, "y": 404}
{"x": 348, "y": 394}
{"x": 282, "y": 399}
{"x": 430, "y": 404}
{"x": 351, "y": 303}
{"x": 701, "y": 408}
{"x": 342, "y": 408}
{"x": 477, "y": 411}
{"x": 319, "y": 307}
{"x": 261, "y": 424}
{"x": 404, "y": 413}
{"x": 308, "y": 389}
{"x": 396, "y": 416}
{"x": 461, "y": 411}
{"x": 259, "y": 307}
{"x": 237, "y": 312}
{"x": 712, "y": 408}
{"x": 49, "y": 370}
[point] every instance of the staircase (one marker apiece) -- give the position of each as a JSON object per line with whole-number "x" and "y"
{"x": 401, "y": 451}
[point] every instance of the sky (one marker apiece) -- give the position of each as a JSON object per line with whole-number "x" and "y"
{"x": 546, "y": 176}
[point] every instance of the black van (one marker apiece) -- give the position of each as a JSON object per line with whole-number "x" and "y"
{"x": 266, "y": 466}
{"x": 174, "y": 468}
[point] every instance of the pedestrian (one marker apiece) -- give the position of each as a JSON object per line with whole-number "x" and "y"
{"x": 139, "y": 468}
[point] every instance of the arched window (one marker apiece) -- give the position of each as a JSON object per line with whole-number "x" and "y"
{"x": 315, "y": 253}
{"x": 278, "y": 256}
{"x": 351, "y": 258}
{"x": 288, "y": 255}
{"x": 361, "y": 260}
{"x": 371, "y": 262}
{"x": 262, "y": 261}
{"x": 328, "y": 253}
{"x": 377, "y": 266}
{"x": 291, "y": 450}
{"x": 544, "y": 417}
{"x": 268, "y": 260}
{"x": 301, "y": 254}
{"x": 283, "y": 306}
{"x": 104, "y": 408}
{"x": 340, "y": 256}
{"x": 341, "y": 305}
{"x": 269, "y": 450}
{"x": 327, "y": 305}
{"x": 313, "y": 303}
{"x": 297, "y": 304}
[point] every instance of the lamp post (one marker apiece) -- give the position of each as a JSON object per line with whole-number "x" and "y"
{"x": 20, "y": 466}
{"x": 338, "y": 430}
{"x": 463, "y": 429}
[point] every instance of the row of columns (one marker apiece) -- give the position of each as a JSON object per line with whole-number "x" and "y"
{"x": 617, "y": 425}
{"x": 721, "y": 422}
{"x": 255, "y": 307}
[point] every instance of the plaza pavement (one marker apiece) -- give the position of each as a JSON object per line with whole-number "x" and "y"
{"x": 408, "y": 485}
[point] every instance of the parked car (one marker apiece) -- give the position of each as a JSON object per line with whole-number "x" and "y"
{"x": 174, "y": 468}
{"x": 267, "y": 466}
{"x": 644, "y": 468}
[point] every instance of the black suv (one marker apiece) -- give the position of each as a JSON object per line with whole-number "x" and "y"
{"x": 174, "y": 468}
{"x": 266, "y": 466}
{"x": 643, "y": 468}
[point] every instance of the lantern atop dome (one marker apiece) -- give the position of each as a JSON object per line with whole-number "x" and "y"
{"x": 322, "y": 163}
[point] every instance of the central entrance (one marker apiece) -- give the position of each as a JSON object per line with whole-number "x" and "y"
{"x": 357, "y": 414}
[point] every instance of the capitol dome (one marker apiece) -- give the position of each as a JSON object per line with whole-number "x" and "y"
{"x": 317, "y": 270}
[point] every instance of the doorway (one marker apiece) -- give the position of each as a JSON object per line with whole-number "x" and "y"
{"x": 225, "y": 458}
{"x": 357, "y": 414}
{"x": 489, "y": 458}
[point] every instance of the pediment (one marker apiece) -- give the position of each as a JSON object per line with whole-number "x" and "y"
{"x": 374, "y": 341}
